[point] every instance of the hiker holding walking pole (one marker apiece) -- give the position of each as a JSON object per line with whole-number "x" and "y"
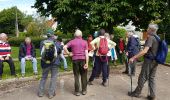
{"x": 133, "y": 48}
{"x": 149, "y": 66}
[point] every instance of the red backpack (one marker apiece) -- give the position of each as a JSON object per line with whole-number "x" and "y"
{"x": 103, "y": 46}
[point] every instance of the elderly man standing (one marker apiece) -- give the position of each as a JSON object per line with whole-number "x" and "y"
{"x": 27, "y": 52}
{"x": 133, "y": 48}
{"x": 149, "y": 66}
{"x": 80, "y": 59}
{"x": 5, "y": 55}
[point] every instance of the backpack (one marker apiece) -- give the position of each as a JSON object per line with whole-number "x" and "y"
{"x": 138, "y": 43}
{"x": 49, "y": 52}
{"x": 162, "y": 50}
{"x": 103, "y": 46}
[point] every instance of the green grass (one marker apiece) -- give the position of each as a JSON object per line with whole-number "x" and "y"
{"x": 168, "y": 58}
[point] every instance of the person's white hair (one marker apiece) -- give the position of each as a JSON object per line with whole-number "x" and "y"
{"x": 78, "y": 33}
{"x": 107, "y": 35}
{"x": 153, "y": 27}
{"x": 27, "y": 39}
{"x": 2, "y": 35}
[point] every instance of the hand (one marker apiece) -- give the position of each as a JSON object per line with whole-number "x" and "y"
{"x": 131, "y": 60}
{"x": 85, "y": 66}
{"x": 120, "y": 51}
{"x": 70, "y": 54}
{"x": 1, "y": 58}
{"x": 6, "y": 58}
{"x": 127, "y": 53}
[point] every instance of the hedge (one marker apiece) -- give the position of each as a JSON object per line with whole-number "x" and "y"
{"x": 17, "y": 41}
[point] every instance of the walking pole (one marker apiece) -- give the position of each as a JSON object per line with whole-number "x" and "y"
{"x": 130, "y": 74}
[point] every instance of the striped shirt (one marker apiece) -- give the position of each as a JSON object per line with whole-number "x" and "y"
{"x": 5, "y": 49}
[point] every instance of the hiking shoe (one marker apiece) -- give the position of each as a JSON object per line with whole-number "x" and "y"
{"x": 65, "y": 69}
{"x": 104, "y": 84}
{"x": 150, "y": 98}
{"x": 51, "y": 96}
{"x": 77, "y": 94}
{"x": 84, "y": 92}
{"x": 90, "y": 83}
{"x": 125, "y": 72}
{"x": 40, "y": 94}
{"x": 23, "y": 75}
{"x": 35, "y": 73}
{"x": 133, "y": 94}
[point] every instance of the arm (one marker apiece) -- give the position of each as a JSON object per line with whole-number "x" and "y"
{"x": 93, "y": 43}
{"x": 87, "y": 60}
{"x": 140, "y": 54}
{"x": 66, "y": 50}
{"x": 33, "y": 51}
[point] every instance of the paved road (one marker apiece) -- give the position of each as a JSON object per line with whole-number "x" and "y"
{"x": 118, "y": 87}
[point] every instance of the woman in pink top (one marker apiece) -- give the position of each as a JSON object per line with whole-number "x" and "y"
{"x": 80, "y": 59}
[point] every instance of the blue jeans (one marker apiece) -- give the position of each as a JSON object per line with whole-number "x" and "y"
{"x": 52, "y": 87}
{"x": 23, "y": 64}
{"x": 64, "y": 60}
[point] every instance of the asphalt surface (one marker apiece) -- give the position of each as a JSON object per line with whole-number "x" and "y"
{"x": 117, "y": 88}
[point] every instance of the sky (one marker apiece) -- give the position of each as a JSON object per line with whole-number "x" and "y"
{"x": 23, "y": 5}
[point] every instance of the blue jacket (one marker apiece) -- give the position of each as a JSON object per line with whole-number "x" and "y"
{"x": 23, "y": 50}
{"x": 57, "y": 61}
{"x": 133, "y": 46}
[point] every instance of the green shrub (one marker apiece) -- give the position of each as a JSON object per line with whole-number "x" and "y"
{"x": 119, "y": 32}
{"x": 17, "y": 41}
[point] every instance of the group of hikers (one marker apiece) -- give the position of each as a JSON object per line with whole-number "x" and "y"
{"x": 100, "y": 50}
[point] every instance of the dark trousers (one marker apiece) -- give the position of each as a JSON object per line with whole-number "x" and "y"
{"x": 97, "y": 65}
{"x": 11, "y": 65}
{"x": 132, "y": 68}
{"x": 78, "y": 69}
{"x": 148, "y": 72}
{"x": 121, "y": 58}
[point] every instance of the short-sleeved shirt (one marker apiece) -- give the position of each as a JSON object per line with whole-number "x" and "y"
{"x": 78, "y": 47}
{"x": 96, "y": 42}
{"x": 153, "y": 44}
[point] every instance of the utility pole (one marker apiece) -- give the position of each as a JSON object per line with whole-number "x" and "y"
{"x": 16, "y": 24}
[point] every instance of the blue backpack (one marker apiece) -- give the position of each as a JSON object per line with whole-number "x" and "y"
{"x": 162, "y": 50}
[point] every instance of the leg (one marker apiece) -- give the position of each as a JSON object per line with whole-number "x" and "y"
{"x": 143, "y": 77}
{"x": 1, "y": 68}
{"x": 95, "y": 69}
{"x": 34, "y": 62}
{"x": 104, "y": 71}
{"x": 83, "y": 73}
{"x": 52, "y": 87}
{"x": 64, "y": 60}
{"x": 134, "y": 67}
{"x": 43, "y": 81}
{"x": 11, "y": 65}
{"x": 76, "y": 75}
{"x": 22, "y": 65}
{"x": 152, "y": 79}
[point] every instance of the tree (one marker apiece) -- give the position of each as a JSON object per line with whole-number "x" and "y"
{"x": 73, "y": 14}
{"x": 8, "y": 18}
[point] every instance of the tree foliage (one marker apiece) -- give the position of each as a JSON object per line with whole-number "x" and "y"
{"x": 8, "y": 20}
{"x": 93, "y": 14}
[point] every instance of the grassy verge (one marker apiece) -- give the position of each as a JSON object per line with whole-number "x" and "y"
{"x": 29, "y": 69}
{"x": 168, "y": 58}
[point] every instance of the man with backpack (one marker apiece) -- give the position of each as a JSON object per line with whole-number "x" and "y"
{"x": 101, "y": 59}
{"x": 133, "y": 48}
{"x": 80, "y": 59}
{"x": 50, "y": 60}
{"x": 149, "y": 66}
